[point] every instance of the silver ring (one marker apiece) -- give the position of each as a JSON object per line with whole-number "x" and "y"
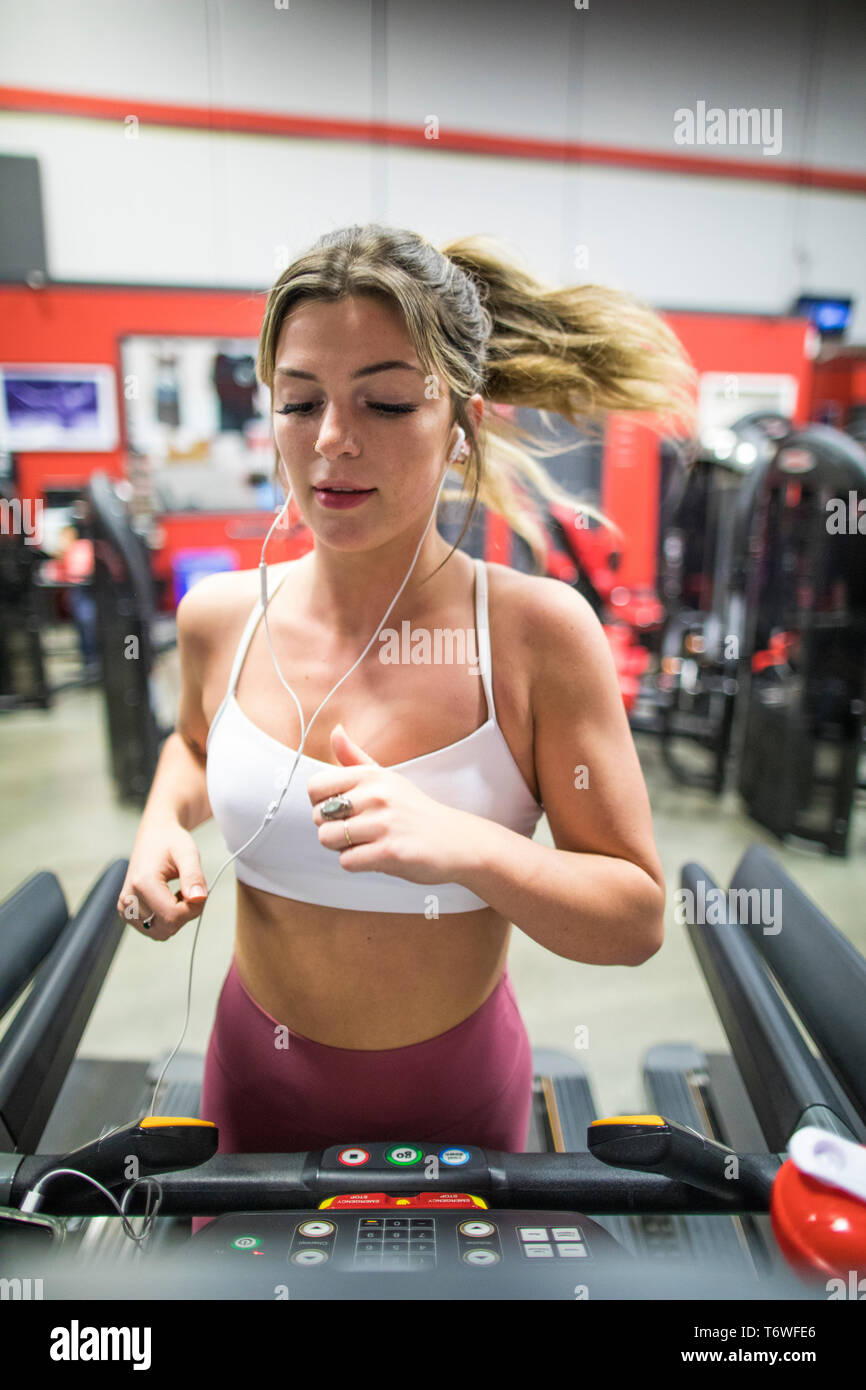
{"x": 146, "y": 921}
{"x": 336, "y": 808}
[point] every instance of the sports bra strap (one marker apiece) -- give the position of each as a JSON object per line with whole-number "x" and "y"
{"x": 247, "y": 634}
{"x": 482, "y": 628}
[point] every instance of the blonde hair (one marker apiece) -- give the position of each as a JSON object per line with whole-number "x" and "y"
{"x": 482, "y": 323}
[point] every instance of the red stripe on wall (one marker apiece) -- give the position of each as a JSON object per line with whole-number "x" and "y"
{"x": 238, "y": 122}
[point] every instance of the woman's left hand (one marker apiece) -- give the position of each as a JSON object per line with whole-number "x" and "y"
{"x": 394, "y": 827}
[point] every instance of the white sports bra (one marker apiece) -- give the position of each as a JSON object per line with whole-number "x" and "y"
{"x": 476, "y": 774}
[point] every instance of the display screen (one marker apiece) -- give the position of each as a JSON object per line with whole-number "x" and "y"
{"x": 830, "y": 316}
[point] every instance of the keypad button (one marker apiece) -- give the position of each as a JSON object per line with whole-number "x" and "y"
{"x": 245, "y": 1243}
{"x": 480, "y": 1257}
{"x": 566, "y": 1233}
{"x": 316, "y": 1228}
{"x": 532, "y": 1232}
{"x": 476, "y": 1228}
{"x": 404, "y": 1155}
{"x": 538, "y": 1252}
{"x": 571, "y": 1251}
{"x": 353, "y": 1158}
{"x": 309, "y": 1257}
{"x": 421, "y": 1261}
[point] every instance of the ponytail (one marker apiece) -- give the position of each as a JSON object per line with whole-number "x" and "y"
{"x": 579, "y": 352}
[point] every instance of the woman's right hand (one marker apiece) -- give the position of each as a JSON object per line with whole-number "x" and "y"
{"x": 157, "y": 860}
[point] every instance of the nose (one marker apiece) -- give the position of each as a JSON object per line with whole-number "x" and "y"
{"x": 334, "y": 436}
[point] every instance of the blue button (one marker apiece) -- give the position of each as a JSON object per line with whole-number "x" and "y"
{"x": 455, "y": 1158}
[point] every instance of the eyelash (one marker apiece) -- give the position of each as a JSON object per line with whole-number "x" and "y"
{"x": 305, "y": 407}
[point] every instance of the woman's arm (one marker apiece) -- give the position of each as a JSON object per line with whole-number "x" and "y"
{"x": 599, "y": 896}
{"x": 164, "y": 850}
{"x": 179, "y": 788}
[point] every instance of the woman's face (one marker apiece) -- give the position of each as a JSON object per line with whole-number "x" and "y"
{"x": 342, "y": 416}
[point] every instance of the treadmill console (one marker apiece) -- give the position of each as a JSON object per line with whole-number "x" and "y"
{"x": 410, "y": 1232}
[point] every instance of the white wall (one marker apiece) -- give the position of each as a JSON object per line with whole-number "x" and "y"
{"x": 187, "y": 207}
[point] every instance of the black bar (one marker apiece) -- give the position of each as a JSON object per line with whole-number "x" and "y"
{"x": 31, "y": 919}
{"x": 37, "y": 1049}
{"x": 292, "y": 1182}
{"x": 782, "y": 1077}
{"x": 831, "y": 1001}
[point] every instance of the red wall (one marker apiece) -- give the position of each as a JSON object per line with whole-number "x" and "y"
{"x": 748, "y": 343}
{"x": 85, "y": 324}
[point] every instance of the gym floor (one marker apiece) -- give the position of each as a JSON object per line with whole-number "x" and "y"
{"x": 58, "y": 812}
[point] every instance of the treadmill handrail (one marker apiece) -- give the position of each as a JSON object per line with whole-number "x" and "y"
{"x": 782, "y": 1077}
{"x": 830, "y": 1001}
{"x": 31, "y": 919}
{"x": 39, "y": 1045}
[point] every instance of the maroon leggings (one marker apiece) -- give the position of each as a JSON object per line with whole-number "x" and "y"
{"x": 471, "y": 1084}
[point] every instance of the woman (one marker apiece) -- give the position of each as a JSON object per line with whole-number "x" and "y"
{"x": 368, "y": 997}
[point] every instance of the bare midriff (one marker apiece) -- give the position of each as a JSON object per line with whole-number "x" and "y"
{"x": 372, "y": 980}
{"x": 366, "y": 980}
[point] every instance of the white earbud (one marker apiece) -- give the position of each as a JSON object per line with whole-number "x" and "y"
{"x": 461, "y": 440}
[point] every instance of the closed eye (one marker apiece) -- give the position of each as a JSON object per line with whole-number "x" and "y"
{"x": 304, "y": 408}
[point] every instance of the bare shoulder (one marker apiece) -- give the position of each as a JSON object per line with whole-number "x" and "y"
{"x": 209, "y": 601}
{"x": 547, "y": 614}
{"x": 217, "y": 601}
{"x": 561, "y": 640}
{"x": 210, "y": 619}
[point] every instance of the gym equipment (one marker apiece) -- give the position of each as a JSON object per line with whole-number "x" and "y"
{"x": 615, "y": 1205}
{"x": 23, "y": 679}
{"x": 132, "y": 635}
{"x": 706, "y": 525}
{"x": 804, "y": 710}
{"x": 584, "y": 554}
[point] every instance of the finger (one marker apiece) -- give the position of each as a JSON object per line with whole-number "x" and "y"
{"x": 362, "y": 830}
{"x": 360, "y": 799}
{"x": 192, "y": 880}
{"x": 339, "y": 779}
{"x": 147, "y": 897}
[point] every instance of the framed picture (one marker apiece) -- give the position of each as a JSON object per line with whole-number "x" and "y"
{"x": 181, "y": 393}
{"x": 53, "y": 408}
{"x": 198, "y": 423}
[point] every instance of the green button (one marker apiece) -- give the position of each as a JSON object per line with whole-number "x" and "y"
{"x": 404, "y": 1155}
{"x": 245, "y": 1243}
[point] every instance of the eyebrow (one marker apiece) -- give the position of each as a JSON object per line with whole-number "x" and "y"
{"x": 363, "y": 371}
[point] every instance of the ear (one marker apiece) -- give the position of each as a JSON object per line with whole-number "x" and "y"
{"x": 347, "y": 750}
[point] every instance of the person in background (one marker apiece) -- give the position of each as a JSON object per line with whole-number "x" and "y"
{"x": 74, "y": 565}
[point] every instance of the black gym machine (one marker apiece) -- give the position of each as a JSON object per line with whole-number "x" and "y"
{"x": 762, "y": 656}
